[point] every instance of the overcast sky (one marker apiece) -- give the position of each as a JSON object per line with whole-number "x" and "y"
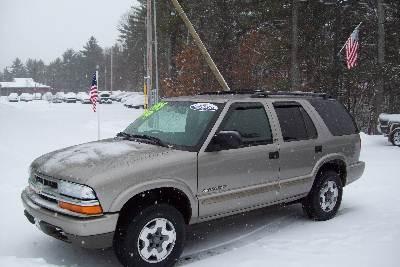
{"x": 44, "y": 29}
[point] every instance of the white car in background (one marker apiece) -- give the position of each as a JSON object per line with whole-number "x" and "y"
{"x": 79, "y": 96}
{"x": 70, "y": 97}
{"x": 115, "y": 94}
{"x": 37, "y": 96}
{"x": 47, "y": 96}
{"x": 129, "y": 95}
{"x": 84, "y": 98}
{"x": 25, "y": 97}
{"x": 13, "y": 97}
{"x": 58, "y": 98}
{"x": 135, "y": 101}
{"x": 105, "y": 97}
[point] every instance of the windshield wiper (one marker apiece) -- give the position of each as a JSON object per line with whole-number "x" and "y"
{"x": 134, "y": 137}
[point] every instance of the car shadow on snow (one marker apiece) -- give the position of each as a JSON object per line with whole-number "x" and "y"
{"x": 203, "y": 240}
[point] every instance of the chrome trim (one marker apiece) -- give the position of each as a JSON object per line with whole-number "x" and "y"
{"x": 37, "y": 192}
{"x": 36, "y": 199}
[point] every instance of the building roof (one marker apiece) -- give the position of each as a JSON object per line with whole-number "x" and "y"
{"x": 23, "y": 83}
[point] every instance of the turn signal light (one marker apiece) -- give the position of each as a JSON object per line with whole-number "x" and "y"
{"x": 87, "y": 210}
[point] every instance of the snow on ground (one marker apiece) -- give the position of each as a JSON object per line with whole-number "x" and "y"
{"x": 366, "y": 231}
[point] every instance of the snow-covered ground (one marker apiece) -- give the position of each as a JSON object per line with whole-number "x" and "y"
{"x": 366, "y": 231}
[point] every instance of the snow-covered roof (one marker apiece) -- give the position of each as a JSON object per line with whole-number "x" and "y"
{"x": 22, "y": 83}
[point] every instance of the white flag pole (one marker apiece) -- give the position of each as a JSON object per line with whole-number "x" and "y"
{"x": 98, "y": 106}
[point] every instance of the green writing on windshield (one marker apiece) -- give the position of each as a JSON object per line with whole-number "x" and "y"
{"x": 153, "y": 109}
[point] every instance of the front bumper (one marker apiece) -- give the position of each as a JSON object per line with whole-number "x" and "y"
{"x": 89, "y": 232}
{"x": 355, "y": 171}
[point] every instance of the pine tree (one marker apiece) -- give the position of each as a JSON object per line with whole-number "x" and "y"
{"x": 18, "y": 69}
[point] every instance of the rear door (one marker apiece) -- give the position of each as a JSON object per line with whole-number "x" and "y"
{"x": 299, "y": 149}
{"x": 234, "y": 179}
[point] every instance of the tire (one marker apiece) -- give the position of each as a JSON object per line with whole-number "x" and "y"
{"x": 163, "y": 229}
{"x": 394, "y": 137}
{"x": 325, "y": 197}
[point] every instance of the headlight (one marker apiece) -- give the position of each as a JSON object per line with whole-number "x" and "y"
{"x": 76, "y": 191}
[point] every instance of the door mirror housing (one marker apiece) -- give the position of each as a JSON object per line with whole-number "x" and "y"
{"x": 226, "y": 140}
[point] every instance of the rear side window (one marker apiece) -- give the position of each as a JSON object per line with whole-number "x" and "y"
{"x": 295, "y": 123}
{"x": 335, "y": 116}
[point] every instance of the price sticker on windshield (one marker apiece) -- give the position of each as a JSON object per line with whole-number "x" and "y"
{"x": 204, "y": 107}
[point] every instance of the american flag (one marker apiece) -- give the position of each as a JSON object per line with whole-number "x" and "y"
{"x": 352, "y": 47}
{"x": 94, "y": 94}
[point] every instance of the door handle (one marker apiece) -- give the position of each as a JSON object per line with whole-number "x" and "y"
{"x": 318, "y": 149}
{"x": 274, "y": 155}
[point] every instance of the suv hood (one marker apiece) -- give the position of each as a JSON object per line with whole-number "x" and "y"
{"x": 86, "y": 161}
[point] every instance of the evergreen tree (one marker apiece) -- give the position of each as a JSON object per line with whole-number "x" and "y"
{"x": 18, "y": 69}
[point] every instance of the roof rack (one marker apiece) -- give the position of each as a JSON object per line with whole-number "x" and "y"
{"x": 267, "y": 94}
{"x": 239, "y": 92}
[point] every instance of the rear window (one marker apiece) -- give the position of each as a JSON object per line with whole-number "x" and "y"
{"x": 335, "y": 116}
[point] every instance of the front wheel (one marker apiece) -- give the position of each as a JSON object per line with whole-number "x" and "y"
{"x": 394, "y": 137}
{"x": 325, "y": 197}
{"x": 155, "y": 237}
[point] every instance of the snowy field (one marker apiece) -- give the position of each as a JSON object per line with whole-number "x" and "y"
{"x": 366, "y": 231}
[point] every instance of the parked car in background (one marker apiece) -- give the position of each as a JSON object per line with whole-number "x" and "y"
{"x": 105, "y": 97}
{"x": 79, "y": 95}
{"x": 389, "y": 125}
{"x": 115, "y": 94}
{"x": 58, "y": 98}
{"x": 70, "y": 97}
{"x": 47, "y": 96}
{"x": 135, "y": 101}
{"x": 128, "y": 95}
{"x": 84, "y": 98}
{"x": 13, "y": 97}
{"x": 119, "y": 96}
{"x": 37, "y": 96}
{"x": 25, "y": 97}
{"x": 122, "y": 96}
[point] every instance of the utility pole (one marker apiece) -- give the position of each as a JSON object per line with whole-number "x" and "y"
{"x": 381, "y": 59}
{"x": 156, "y": 92}
{"x": 201, "y": 46}
{"x": 112, "y": 74}
{"x": 294, "y": 69}
{"x": 149, "y": 70}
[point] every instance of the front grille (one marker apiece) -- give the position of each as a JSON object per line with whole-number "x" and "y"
{"x": 46, "y": 182}
{"x": 47, "y": 198}
{"x": 384, "y": 123}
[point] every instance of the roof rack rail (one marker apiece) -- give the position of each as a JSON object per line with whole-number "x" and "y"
{"x": 267, "y": 94}
{"x": 239, "y": 92}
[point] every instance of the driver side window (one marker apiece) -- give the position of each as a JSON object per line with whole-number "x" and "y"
{"x": 250, "y": 121}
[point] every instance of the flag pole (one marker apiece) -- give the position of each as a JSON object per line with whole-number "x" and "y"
{"x": 348, "y": 39}
{"x": 98, "y": 106}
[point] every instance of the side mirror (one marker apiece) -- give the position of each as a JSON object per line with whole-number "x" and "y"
{"x": 226, "y": 140}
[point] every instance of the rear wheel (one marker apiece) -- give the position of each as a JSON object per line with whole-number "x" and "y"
{"x": 153, "y": 237}
{"x": 394, "y": 137}
{"x": 325, "y": 197}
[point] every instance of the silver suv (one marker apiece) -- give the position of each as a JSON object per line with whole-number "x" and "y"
{"x": 193, "y": 159}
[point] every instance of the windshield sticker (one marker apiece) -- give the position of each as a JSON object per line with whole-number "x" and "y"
{"x": 204, "y": 107}
{"x": 154, "y": 108}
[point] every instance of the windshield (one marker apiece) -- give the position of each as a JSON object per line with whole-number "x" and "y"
{"x": 178, "y": 124}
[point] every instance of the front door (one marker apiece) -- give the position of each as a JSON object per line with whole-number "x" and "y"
{"x": 234, "y": 179}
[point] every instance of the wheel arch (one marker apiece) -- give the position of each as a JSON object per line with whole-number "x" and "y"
{"x": 173, "y": 193}
{"x": 335, "y": 163}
